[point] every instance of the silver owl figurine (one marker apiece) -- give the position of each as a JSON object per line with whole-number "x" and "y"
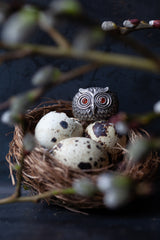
{"x": 94, "y": 103}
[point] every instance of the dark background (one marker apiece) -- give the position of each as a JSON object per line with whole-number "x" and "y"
{"x": 137, "y": 91}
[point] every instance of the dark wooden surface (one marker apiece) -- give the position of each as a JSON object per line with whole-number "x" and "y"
{"x": 137, "y": 91}
{"x": 39, "y": 221}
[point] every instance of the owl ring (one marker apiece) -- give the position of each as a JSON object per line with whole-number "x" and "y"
{"x": 94, "y": 103}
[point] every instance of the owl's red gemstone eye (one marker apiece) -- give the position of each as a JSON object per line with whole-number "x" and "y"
{"x": 102, "y": 100}
{"x": 84, "y": 100}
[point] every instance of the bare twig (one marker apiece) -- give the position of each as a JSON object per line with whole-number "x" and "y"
{"x": 77, "y": 72}
{"x": 14, "y": 55}
{"x": 35, "y": 198}
{"x": 141, "y": 26}
{"x": 5, "y": 104}
{"x": 135, "y": 120}
{"x": 138, "y": 47}
{"x": 19, "y": 177}
{"x": 63, "y": 78}
{"x": 130, "y": 25}
{"x": 142, "y": 119}
{"x": 118, "y": 32}
{"x": 57, "y": 37}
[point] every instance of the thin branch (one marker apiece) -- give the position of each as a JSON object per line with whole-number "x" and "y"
{"x": 141, "y": 26}
{"x": 135, "y": 120}
{"x": 77, "y": 72}
{"x": 130, "y": 25}
{"x": 14, "y": 55}
{"x": 90, "y": 55}
{"x": 19, "y": 177}
{"x": 137, "y": 46}
{"x": 121, "y": 60}
{"x": 63, "y": 78}
{"x": 144, "y": 119}
{"x": 118, "y": 33}
{"x": 5, "y": 104}
{"x": 36, "y": 198}
{"x": 57, "y": 37}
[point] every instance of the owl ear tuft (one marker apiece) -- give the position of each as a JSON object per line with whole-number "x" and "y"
{"x": 106, "y": 89}
{"x": 82, "y": 90}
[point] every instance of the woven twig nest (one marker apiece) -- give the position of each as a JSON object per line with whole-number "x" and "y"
{"x": 42, "y": 172}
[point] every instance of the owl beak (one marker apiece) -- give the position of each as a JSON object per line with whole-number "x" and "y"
{"x": 93, "y": 109}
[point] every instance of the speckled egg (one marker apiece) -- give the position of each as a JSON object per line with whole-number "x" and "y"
{"x": 80, "y": 153}
{"x": 54, "y": 127}
{"x": 105, "y": 133}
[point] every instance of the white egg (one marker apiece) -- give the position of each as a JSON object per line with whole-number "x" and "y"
{"x": 80, "y": 153}
{"x": 54, "y": 127}
{"x": 105, "y": 133}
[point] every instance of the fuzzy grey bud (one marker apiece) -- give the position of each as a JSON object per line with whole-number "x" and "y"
{"x": 116, "y": 198}
{"x": 19, "y": 26}
{"x": 116, "y": 189}
{"x": 29, "y": 142}
{"x": 46, "y": 20}
{"x": 84, "y": 187}
{"x": 131, "y": 23}
{"x": 121, "y": 128}
{"x": 7, "y": 118}
{"x": 19, "y": 105}
{"x": 71, "y": 7}
{"x": 138, "y": 150}
{"x": 105, "y": 181}
{"x": 156, "y": 107}
{"x": 45, "y": 76}
{"x": 108, "y": 26}
{"x": 155, "y": 23}
{"x": 87, "y": 39}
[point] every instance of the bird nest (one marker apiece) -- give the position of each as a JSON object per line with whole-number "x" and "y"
{"x": 42, "y": 172}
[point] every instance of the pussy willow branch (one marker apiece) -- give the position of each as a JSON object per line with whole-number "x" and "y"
{"x": 90, "y": 55}
{"x": 141, "y": 26}
{"x": 139, "y": 47}
{"x": 89, "y": 22}
{"x": 117, "y": 34}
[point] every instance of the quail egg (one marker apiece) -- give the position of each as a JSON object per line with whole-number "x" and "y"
{"x": 80, "y": 153}
{"x": 105, "y": 133}
{"x": 55, "y": 126}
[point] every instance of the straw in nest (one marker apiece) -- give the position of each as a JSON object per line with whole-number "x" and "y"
{"x": 42, "y": 172}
